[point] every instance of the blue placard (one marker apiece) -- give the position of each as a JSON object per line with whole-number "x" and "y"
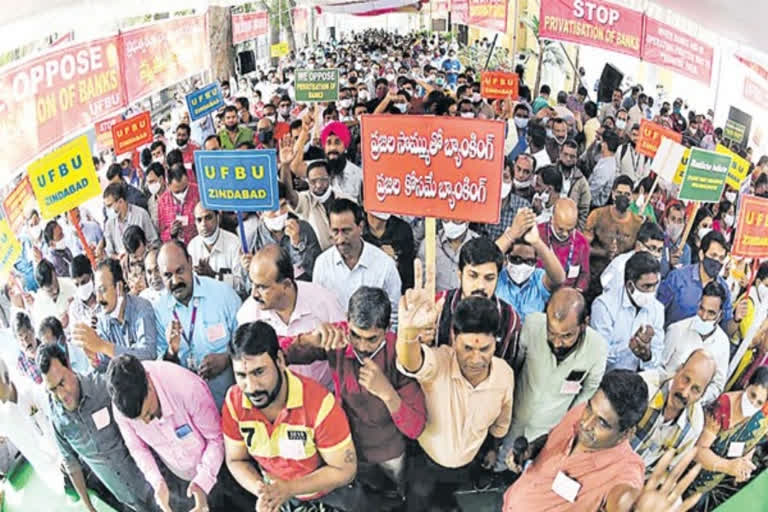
{"x": 203, "y": 101}
{"x": 234, "y": 181}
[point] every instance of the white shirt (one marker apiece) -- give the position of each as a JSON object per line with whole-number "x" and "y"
{"x": 26, "y": 423}
{"x": 542, "y": 158}
{"x": 349, "y": 183}
{"x": 682, "y": 340}
{"x": 613, "y": 275}
{"x": 373, "y": 268}
{"x": 45, "y": 306}
{"x": 224, "y": 254}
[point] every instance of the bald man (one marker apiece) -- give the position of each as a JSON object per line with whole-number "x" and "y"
{"x": 215, "y": 251}
{"x": 570, "y": 246}
{"x": 563, "y": 364}
{"x": 674, "y": 417}
{"x": 291, "y": 307}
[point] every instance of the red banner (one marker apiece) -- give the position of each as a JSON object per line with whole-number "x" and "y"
{"x": 756, "y": 93}
{"x": 47, "y": 98}
{"x": 162, "y": 54}
{"x": 754, "y": 66}
{"x": 249, "y": 26}
{"x": 593, "y": 23}
{"x": 132, "y": 133}
{"x": 15, "y": 203}
{"x": 499, "y": 85}
{"x": 666, "y": 46}
{"x": 442, "y": 167}
{"x": 751, "y": 236}
{"x": 103, "y": 131}
{"x": 300, "y": 20}
{"x": 650, "y": 137}
{"x": 460, "y": 11}
{"x": 489, "y": 14}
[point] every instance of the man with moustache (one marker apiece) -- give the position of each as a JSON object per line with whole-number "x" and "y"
{"x": 480, "y": 263}
{"x": 124, "y": 324}
{"x": 563, "y": 363}
{"x": 155, "y": 286}
{"x": 674, "y": 417}
{"x": 313, "y": 204}
{"x": 290, "y": 426}
{"x": 199, "y": 318}
{"x": 232, "y": 135}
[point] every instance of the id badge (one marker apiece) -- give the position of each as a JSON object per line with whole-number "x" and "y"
{"x": 735, "y": 450}
{"x": 573, "y": 271}
{"x": 566, "y": 487}
{"x": 570, "y": 387}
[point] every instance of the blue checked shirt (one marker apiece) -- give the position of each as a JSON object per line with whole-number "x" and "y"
{"x": 509, "y": 208}
{"x": 138, "y": 335}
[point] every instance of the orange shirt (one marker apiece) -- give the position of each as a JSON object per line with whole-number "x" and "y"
{"x": 597, "y": 472}
{"x": 311, "y": 424}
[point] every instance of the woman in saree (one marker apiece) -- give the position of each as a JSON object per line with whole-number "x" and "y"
{"x": 735, "y": 423}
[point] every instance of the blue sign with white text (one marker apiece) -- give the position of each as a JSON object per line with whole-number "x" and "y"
{"x": 203, "y": 101}
{"x": 234, "y": 181}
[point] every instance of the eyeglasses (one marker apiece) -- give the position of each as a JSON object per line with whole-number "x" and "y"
{"x": 519, "y": 260}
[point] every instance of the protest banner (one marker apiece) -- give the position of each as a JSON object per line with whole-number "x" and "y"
{"x": 279, "y": 49}
{"x": 10, "y": 248}
{"x": 667, "y": 159}
{"x": 499, "y": 85}
{"x": 704, "y": 177}
{"x": 651, "y": 135}
{"x": 488, "y": 14}
{"x": 737, "y": 126}
{"x": 16, "y": 202}
{"x": 738, "y": 170}
{"x": 64, "y": 178}
{"x": 756, "y": 93}
{"x": 666, "y": 46}
{"x": 103, "y": 131}
{"x": 248, "y": 26}
{"x": 132, "y": 133}
{"x": 317, "y": 85}
{"x": 593, "y": 23}
{"x": 46, "y": 98}
{"x": 162, "y": 54}
{"x": 433, "y": 166}
{"x": 203, "y": 101}
{"x": 300, "y": 20}
{"x": 751, "y": 236}
{"x": 460, "y": 11}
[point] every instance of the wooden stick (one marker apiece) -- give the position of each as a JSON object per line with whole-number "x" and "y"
{"x": 73, "y": 218}
{"x": 689, "y": 224}
{"x": 430, "y": 247}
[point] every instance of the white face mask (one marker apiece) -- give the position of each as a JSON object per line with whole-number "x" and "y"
{"x": 362, "y": 95}
{"x": 729, "y": 219}
{"x": 468, "y": 115}
{"x": 85, "y": 291}
{"x": 703, "y": 232}
{"x": 345, "y": 103}
{"x": 275, "y": 223}
{"x": 543, "y": 196}
{"x": 476, "y": 98}
{"x": 747, "y": 408}
{"x": 210, "y": 240}
{"x": 454, "y": 230}
{"x": 506, "y": 188}
{"x": 702, "y": 327}
{"x": 181, "y": 196}
{"x": 323, "y": 198}
{"x": 520, "y": 273}
{"x": 111, "y": 213}
{"x": 674, "y": 231}
{"x": 382, "y": 216}
{"x": 642, "y": 299}
{"x": 523, "y": 184}
{"x": 521, "y": 122}
{"x": 154, "y": 187}
{"x": 37, "y": 230}
{"x": 621, "y": 124}
{"x": 402, "y": 107}
{"x": 731, "y": 197}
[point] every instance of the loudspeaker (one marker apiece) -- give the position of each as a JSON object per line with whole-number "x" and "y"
{"x": 609, "y": 80}
{"x": 247, "y": 62}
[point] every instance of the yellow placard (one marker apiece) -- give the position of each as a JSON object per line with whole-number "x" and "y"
{"x": 64, "y": 178}
{"x": 738, "y": 169}
{"x": 280, "y": 49}
{"x": 10, "y": 248}
{"x": 678, "y": 179}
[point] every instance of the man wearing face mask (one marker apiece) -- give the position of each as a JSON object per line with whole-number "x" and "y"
{"x": 511, "y": 201}
{"x": 568, "y": 243}
{"x": 120, "y": 215}
{"x": 58, "y": 253}
{"x": 630, "y": 318}
{"x": 315, "y": 203}
{"x": 83, "y": 307}
{"x": 284, "y": 228}
{"x": 175, "y": 207}
{"x": 521, "y": 117}
{"x": 451, "y": 239}
{"x": 155, "y": 186}
{"x": 681, "y": 290}
{"x": 214, "y": 251}
{"x": 394, "y": 236}
{"x": 701, "y": 331}
{"x": 628, "y": 161}
{"x": 233, "y": 134}
{"x": 563, "y": 364}
{"x": 676, "y": 252}
{"x": 575, "y": 185}
{"x": 679, "y": 124}
{"x": 521, "y": 284}
{"x": 125, "y": 324}
{"x": 548, "y": 184}
{"x": 266, "y": 134}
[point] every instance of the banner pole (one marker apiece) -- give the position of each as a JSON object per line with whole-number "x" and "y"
{"x": 241, "y": 227}
{"x": 490, "y": 52}
{"x": 689, "y": 224}
{"x": 74, "y": 219}
{"x": 430, "y": 247}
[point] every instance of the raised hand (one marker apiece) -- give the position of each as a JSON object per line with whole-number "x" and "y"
{"x": 418, "y": 310}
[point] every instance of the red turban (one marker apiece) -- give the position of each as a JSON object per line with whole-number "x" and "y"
{"x": 338, "y": 129}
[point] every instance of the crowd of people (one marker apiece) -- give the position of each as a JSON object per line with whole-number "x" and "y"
{"x": 597, "y": 349}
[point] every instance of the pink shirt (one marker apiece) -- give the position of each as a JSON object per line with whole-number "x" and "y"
{"x": 187, "y": 437}
{"x": 315, "y": 306}
{"x": 168, "y": 208}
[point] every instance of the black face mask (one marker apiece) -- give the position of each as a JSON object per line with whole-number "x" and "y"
{"x": 622, "y": 203}
{"x": 265, "y": 136}
{"x": 711, "y": 267}
{"x": 336, "y": 165}
{"x": 567, "y": 167}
